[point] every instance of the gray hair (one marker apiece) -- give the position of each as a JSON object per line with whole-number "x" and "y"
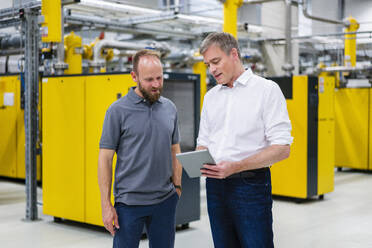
{"x": 224, "y": 41}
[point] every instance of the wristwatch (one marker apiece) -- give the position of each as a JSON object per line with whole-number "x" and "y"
{"x": 178, "y": 187}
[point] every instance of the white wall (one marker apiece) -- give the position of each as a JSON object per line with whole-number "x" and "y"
{"x": 6, "y": 4}
{"x": 250, "y": 13}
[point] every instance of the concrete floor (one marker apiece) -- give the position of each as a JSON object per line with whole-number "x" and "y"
{"x": 343, "y": 219}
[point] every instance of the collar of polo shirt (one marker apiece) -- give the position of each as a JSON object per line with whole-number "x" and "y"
{"x": 137, "y": 99}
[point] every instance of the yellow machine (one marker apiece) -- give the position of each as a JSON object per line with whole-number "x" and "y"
{"x": 12, "y": 129}
{"x": 73, "y": 114}
{"x": 353, "y": 114}
{"x": 74, "y": 108}
{"x": 201, "y": 69}
{"x": 309, "y": 171}
{"x": 353, "y": 125}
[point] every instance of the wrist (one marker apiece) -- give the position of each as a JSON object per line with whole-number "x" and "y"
{"x": 106, "y": 204}
{"x": 178, "y": 187}
{"x": 238, "y": 167}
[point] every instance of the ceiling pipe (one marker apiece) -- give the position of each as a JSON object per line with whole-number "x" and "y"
{"x": 345, "y": 68}
{"x": 321, "y": 19}
{"x": 258, "y": 1}
{"x": 98, "y": 63}
{"x": 108, "y": 25}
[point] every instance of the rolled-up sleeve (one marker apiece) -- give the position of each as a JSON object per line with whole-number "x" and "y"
{"x": 276, "y": 120}
{"x": 203, "y": 128}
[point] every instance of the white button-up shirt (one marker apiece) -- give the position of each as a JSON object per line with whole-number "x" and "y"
{"x": 241, "y": 121}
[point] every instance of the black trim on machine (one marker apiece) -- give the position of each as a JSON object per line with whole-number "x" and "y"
{"x": 285, "y": 84}
{"x": 312, "y": 137}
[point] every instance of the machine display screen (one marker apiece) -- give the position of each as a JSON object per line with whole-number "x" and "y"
{"x": 182, "y": 94}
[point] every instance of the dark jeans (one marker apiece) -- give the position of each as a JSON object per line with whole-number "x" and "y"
{"x": 159, "y": 220}
{"x": 240, "y": 211}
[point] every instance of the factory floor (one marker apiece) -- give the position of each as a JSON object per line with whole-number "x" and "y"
{"x": 343, "y": 219}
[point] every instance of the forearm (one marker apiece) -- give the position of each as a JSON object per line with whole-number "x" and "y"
{"x": 105, "y": 178}
{"x": 265, "y": 158}
{"x": 177, "y": 167}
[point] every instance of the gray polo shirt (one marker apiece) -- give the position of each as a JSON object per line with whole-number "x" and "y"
{"x": 142, "y": 135}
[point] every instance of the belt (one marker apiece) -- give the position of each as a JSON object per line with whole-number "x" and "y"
{"x": 248, "y": 173}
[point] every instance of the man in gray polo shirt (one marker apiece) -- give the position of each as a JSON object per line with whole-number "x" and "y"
{"x": 142, "y": 129}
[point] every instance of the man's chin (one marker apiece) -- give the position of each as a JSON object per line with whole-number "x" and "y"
{"x": 154, "y": 97}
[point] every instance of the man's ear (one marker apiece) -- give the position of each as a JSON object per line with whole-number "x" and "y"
{"x": 134, "y": 76}
{"x": 234, "y": 53}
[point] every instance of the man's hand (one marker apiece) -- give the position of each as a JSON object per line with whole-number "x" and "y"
{"x": 110, "y": 216}
{"x": 179, "y": 192}
{"x": 220, "y": 170}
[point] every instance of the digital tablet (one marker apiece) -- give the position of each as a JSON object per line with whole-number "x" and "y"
{"x": 193, "y": 161}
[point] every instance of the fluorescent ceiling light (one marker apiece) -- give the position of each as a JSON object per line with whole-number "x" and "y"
{"x": 125, "y": 8}
{"x": 118, "y": 7}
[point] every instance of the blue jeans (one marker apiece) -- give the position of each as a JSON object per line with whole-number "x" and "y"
{"x": 159, "y": 219}
{"x": 240, "y": 211}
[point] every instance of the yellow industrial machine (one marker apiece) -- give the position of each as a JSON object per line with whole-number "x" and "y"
{"x": 73, "y": 108}
{"x": 309, "y": 171}
{"x": 353, "y": 113}
{"x": 73, "y": 113}
{"x": 52, "y": 24}
{"x": 353, "y": 127}
{"x": 201, "y": 69}
{"x": 12, "y": 129}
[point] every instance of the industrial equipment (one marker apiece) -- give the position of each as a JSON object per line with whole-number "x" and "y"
{"x": 353, "y": 128}
{"x": 352, "y": 107}
{"x": 309, "y": 170}
{"x": 73, "y": 108}
{"x": 12, "y": 128}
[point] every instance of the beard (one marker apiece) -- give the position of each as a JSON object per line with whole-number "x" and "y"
{"x": 148, "y": 95}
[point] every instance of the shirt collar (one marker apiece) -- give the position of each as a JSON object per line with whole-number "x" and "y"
{"x": 137, "y": 99}
{"x": 242, "y": 79}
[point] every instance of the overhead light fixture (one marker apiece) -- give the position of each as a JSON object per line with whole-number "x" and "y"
{"x": 116, "y": 7}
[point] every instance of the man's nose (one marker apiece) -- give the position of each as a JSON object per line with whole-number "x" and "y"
{"x": 212, "y": 69}
{"x": 156, "y": 83}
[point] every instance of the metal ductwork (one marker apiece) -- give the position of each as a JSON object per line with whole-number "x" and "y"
{"x": 344, "y": 68}
{"x": 321, "y": 19}
{"x": 12, "y": 41}
{"x": 97, "y": 63}
{"x": 258, "y": 1}
{"x": 288, "y": 66}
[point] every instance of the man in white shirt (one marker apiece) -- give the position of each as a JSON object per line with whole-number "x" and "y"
{"x": 245, "y": 125}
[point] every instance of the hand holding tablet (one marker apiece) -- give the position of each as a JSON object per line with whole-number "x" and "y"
{"x": 193, "y": 161}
